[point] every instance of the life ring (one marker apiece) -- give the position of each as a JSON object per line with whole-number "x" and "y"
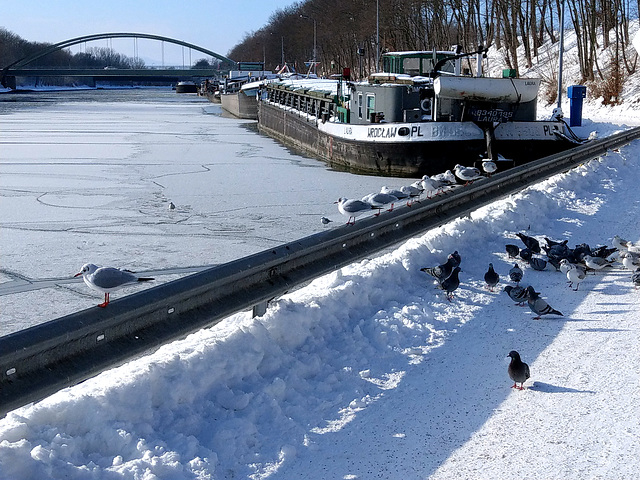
{"x": 425, "y": 104}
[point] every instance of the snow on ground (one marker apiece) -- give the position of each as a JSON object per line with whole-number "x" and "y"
{"x": 370, "y": 372}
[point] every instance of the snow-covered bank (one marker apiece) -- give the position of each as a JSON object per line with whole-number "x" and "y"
{"x": 371, "y": 373}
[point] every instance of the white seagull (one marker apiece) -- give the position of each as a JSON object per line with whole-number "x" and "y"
{"x": 107, "y": 279}
{"x": 352, "y": 208}
{"x": 380, "y": 200}
{"x": 489, "y": 166}
{"x": 467, "y": 174}
{"x": 448, "y": 178}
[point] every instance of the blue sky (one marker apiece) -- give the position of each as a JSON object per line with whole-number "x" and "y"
{"x": 213, "y": 24}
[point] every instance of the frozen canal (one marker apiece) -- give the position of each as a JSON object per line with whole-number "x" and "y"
{"x": 88, "y": 176}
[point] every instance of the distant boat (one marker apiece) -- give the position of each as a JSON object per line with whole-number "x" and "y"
{"x": 186, "y": 87}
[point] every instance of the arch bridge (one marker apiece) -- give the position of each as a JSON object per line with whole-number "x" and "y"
{"x": 20, "y": 67}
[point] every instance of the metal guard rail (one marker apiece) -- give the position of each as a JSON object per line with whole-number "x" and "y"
{"x": 45, "y": 358}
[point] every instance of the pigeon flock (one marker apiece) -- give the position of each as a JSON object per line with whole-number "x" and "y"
{"x": 574, "y": 263}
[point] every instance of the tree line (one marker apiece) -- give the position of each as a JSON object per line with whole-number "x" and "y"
{"x": 351, "y": 33}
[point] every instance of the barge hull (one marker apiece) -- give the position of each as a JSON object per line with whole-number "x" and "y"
{"x": 406, "y": 158}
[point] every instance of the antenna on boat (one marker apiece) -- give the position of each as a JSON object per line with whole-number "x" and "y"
{"x": 560, "y": 53}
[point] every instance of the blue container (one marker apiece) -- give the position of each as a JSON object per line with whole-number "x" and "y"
{"x": 576, "y": 93}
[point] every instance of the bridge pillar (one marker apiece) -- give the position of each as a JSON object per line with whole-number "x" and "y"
{"x": 9, "y": 82}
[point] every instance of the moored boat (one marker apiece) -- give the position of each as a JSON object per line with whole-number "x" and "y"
{"x": 422, "y": 115}
{"x": 186, "y": 87}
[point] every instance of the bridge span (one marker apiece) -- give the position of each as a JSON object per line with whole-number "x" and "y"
{"x": 20, "y": 67}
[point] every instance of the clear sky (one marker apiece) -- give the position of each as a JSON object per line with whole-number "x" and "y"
{"x": 213, "y": 24}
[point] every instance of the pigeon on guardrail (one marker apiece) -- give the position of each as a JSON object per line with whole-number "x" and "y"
{"x": 108, "y": 279}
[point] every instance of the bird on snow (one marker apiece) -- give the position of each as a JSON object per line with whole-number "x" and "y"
{"x": 457, "y": 259}
{"x": 603, "y": 251}
{"x": 516, "y": 273}
{"x": 441, "y": 272}
{"x": 467, "y": 174}
{"x": 530, "y": 242}
{"x": 518, "y": 370}
{"x": 451, "y": 283}
{"x": 526, "y": 254}
{"x": 596, "y": 263}
{"x": 566, "y": 265}
{"x": 620, "y": 243}
{"x": 538, "y": 305}
{"x": 517, "y": 294}
{"x": 635, "y": 277}
{"x": 575, "y": 275}
{"x": 552, "y": 243}
{"x": 512, "y": 250}
{"x": 325, "y": 220}
{"x": 108, "y": 279}
{"x": 172, "y": 206}
{"x": 629, "y": 261}
{"x": 352, "y": 208}
{"x": 538, "y": 263}
{"x": 491, "y": 277}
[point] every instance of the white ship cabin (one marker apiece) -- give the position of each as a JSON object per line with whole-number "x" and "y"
{"x": 435, "y": 86}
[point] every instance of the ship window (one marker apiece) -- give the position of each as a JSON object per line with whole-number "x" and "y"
{"x": 411, "y": 66}
{"x": 359, "y": 105}
{"x": 371, "y": 105}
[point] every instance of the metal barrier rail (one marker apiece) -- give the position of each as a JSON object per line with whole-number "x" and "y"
{"x": 45, "y": 358}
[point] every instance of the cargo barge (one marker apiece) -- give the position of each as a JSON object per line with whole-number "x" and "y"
{"x": 421, "y": 116}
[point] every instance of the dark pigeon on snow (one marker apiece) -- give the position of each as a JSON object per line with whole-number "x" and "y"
{"x": 491, "y": 277}
{"x": 451, "y": 283}
{"x": 457, "y": 259}
{"x": 529, "y": 242}
{"x": 512, "y": 250}
{"x": 526, "y": 254}
{"x": 518, "y": 370}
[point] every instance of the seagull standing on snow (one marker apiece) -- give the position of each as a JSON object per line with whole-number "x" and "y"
{"x": 530, "y": 242}
{"x": 352, "y": 208}
{"x": 518, "y": 370}
{"x": 467, "y": 174}
{"x": 108, "y": 279}
{"x": 596, "y": 263}
{"x": 575, "y": 275}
